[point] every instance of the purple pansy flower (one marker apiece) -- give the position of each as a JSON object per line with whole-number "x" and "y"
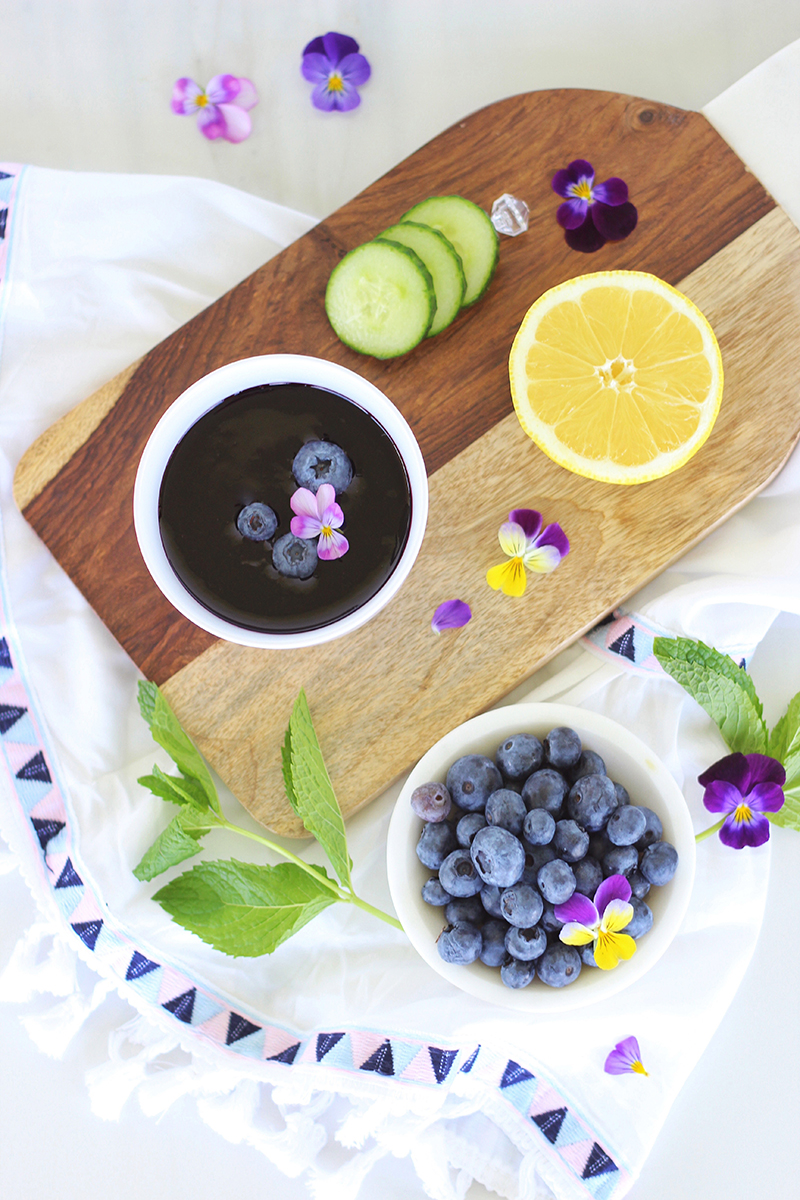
{"x": 221, "y": 108}
{"x": 600, "y": 922}
{"x": 592, "y": 213}
{"x": 453, "y": 614}
{"x": 625, "y": 1058}
{"x": 528, "y": 546}
{"x": 333, "y": 63}
{"x": 745, "y": 786}
{"x": 319, "y": 516}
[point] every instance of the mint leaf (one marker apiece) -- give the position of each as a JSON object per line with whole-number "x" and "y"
{"x": 241, "y": 908}
{"x": 789, "y": 816}
{"x": 168, "y": 732}
{"x": 722, "y": 688}
{"x": 286, "y": 765}
{"x": 179, "y": 841}
{"x": 310, "y": 791}
{"x": 785, "y": 737}
{"x": 178, "y": 790}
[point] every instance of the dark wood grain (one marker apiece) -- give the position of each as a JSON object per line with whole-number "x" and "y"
{"x": 693, "y": 194}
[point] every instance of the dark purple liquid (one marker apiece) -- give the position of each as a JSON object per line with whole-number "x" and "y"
{"x": 242, "y": 451}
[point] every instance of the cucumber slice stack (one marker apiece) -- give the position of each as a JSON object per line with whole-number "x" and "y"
{"x": 385, "y": 296}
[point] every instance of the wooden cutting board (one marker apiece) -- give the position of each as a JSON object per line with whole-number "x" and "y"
{"x": 381, "y": 696}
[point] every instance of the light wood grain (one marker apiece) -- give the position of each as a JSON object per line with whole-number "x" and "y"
{"x": 383, "y": 695}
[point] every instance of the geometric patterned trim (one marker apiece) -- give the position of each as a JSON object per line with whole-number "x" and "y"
{"x": 10, "y": 174}
{"x": 627, "y": 638}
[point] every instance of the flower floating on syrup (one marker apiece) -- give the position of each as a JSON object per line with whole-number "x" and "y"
{"x": 529, "y": 548}
{"x": 744, "y": 787}
{"x": 334, "y": 65}
{"x": 319, "y": 516}
{"x": 221, "y": 107}
{"x": 601, "y": 922}
{"x": 592, "y": 213}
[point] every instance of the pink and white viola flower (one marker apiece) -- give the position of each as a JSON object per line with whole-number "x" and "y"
{"x": 222, "y": 107}
{"x": 319, "y": 516}
{"x": 600, "y": 922}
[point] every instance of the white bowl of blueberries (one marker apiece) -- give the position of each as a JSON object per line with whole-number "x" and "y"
{"x": 507, "y": 819}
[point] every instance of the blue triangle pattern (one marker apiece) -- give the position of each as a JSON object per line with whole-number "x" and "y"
{"x": 35, "y": 769}
{"x": 602, "y": 1186}
{"x": 239, "y": 1027}
{"x": 571, "y": 1131}
{"x": 30, "y": 792}
{"x": 341, "y": 1054}
{"x": 107, "y": 941}
{"x": 550, "y": 1123}
{"x": 88, "y": 932}
{"x": 3, "y": 219}
{"x": 252, "y": 1045}
{"x": 625, "y": 645}
{"x": 470, "y": 1063}
{"x": 598, "y": 1163}
{"x": 68, "y": 900}
{"x": 402, "y": 1053}
{"x": 139, "y": 966}
{"x": 5, "y": 656}
{"x": 148, "y": 985}
{"x": 69, "y": 877}
{"x": 23, "y": 732}
{"x": 381, "y": 1061}
{"x": 514, "y": 1073}
{"x": 181, "y": 1006}
{"x": 58, "y": 843}
{"x": 521, "y": 1094}
{"x": 204, "y": 1008}
{"x": 9, "y": 715}
{"x": 326, "y": 1042}
{"x": 441, "y": 1061}
{"x": 46, "y": 830}
{"x": 286, "y": 1056}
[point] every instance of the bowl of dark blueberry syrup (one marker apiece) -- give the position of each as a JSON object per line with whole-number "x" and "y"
{"x": 541, "y": 857}
{"x": 280, "y": 501}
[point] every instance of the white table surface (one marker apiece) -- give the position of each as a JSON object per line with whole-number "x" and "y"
{"x": 85, "y": 85}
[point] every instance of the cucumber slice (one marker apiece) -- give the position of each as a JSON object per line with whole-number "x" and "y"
{"x": 470, "y": 231}
{"x": 444, "y": 264}
{"x": 380, "y": 299}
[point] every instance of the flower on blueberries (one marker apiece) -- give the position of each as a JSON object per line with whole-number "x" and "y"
{"x": 744, "y": 786}
{"x": 319, "y": 516}
{"x": 626, "y": 1057}
{"x": 222, "y": 107}
{"x": 453, "y": 614}
{"x": 333, "y": 63}
{"x": 592, "y": 213}
{"x": 600, "y": 922}
{"x": 529, "y": 547}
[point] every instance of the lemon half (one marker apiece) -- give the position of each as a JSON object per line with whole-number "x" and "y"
{"x": 617, "y": 376}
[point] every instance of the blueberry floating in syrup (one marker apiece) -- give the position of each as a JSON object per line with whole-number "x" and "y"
{"x": 257, "y": 522}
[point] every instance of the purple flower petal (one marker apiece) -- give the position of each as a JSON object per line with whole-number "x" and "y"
{"x": 248, "y": 96}
{"x": 332, "y": 545}
{"x": 622, "y": 1058}
{"x": 236, "y": 123}
{"x": 338, "y": 45}
{"x": 529, "y": 519}
{"x": 579, "y": 169}
{"x": 733, "y": 768}
{"x": 560, "y": 183}
{"x": 745, "y": 833}
{"x": 616, "y": 887}
{"x": 332, "y": 516}
{"x": 325, "y": 497}
{"x": 578, "y": 908}
{"x": 211, "y": 122}
{"x": 452, "y": 614}
{"x": 554, "y": 535}
{"x": 761, "y": 768}
{"x": 315, "y": 46}
{"x": 304, "y": 502}
{"x": 184, "y": 96}
{"x": 346, "y": 99}
{"x": 721, "y": 796}
{"x": 315, "y": 68}
{"x": 572, "y": 213}
{"x": 613, "y": 191}
{"x": 614, "y": 223}
{"x": 585, "y": 238}
{"x": 355, "y": 69}
{"x": 766, "y": 797}
{"x": 323, "y": 99}
{"x": 223, "y": 89}
{"x": 305, "y": 526}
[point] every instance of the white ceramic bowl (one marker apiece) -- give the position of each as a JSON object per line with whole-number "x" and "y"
{"x": 629, "y": 762}
{"x": 210, "y": 391}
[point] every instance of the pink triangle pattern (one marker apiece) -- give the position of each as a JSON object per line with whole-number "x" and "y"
{"x": 49, "y": 808}
{"x": 217, "y": 1027}
{"x": 278, "y": 1040}
{"x": 173, "y": 984}
{"x": 18, "y": 754}
{"x": 55, "y": 864}
{"x": 546, "y": 1100}
{"x": 576, "y": 1155}
{"x": 13, "y": 693}
{"x": 420, "y": 1069}
{"x": 88, "y": 910}
{"x": 364, "y": 1043}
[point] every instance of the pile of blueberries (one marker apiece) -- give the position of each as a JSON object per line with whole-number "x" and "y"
{"x": 315, "y": 463}
{"x": 511, "y": 839}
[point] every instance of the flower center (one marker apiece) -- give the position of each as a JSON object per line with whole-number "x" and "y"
{"x": 617, "y": 373}
{"x": 582, "y": 190}
{"x": 335, "y": 82}
{"x": 327, "y": 531}
{"x": 202, "y": 100}
{"x": 742, "y": 814}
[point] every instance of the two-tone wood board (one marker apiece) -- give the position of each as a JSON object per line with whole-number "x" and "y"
{"x": 381, "y": 696}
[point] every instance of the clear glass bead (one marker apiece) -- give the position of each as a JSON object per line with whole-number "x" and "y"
{"x": 510, "y": 215}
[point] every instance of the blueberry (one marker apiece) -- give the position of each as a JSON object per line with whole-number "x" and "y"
{"x": 588, "y": 876}
{"x": 464, "y": 908}
{"x": 626, "y": 825}
{"x": 559, "y": 966}
{"x": 599, "y": 845}
{"x": 458, "y": 875}
{"x": 257, "y": 522}
{"x": 620, "y": 860}
{"x": 468, "y": 826}
{"x": 526, "y": 944}
{"x": 639, "y": 885}
{"x": 570, "y": 841}
{"x": 493, "y": 949}
{"x": 490, "y": 899}
{"x": 433, "y": 893}
{"x": 591, "y": 801}
{"x": 506, "y": 809}
{"x": 519, "y": 756}
{"x": 659, "y": 863}
{"x": 471, "y": 781}
{"x": 556, "y": 881}
{"x": 431, "y": 801}
{"x": 622, "y": 794}
{"x": 460, "y": 943}
{"x": 549, "y": 921}
{"x": 642, "y": 920}
{"x": 587, "y": 955}
{"x": 435, "y": 843}
{"x": 654, "y": 830}
{"x": 295, "y": 557}
{"x": 545, "y": 789}
{"x": 562, "y": 748}
{"x": 589, "y": 763}
{"x": 521, "y": 905}
{"x": 322, "y": 462}
{"x": 498, "y": 856}
{"x": 538, "y": 827}
{"x": 516, "y": 974}
{"x": 536, "y": 857}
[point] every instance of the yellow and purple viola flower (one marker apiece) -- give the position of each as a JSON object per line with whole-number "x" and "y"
{"x": 222, "y": 107}
{"x": 625, "y": 1058}
{"x": 744, "y": 787}
{"x": 592, "y": 213}
{"x": 529, "y": 548}
{"x": 452, "y": 614}
{"x": 319, "y": 516}
{"x": 336, "y": 68}
{"x": 600, "y": 922}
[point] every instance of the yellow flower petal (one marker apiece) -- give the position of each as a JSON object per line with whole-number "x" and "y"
{"x": 611, "y": 947}
{"x": 512, "y": 539}
{"x": 509, "y": 577}
{"x": 575, "y": 934}
{"x": 616, "y": 915}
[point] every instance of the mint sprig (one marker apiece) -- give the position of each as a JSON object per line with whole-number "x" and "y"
{"x": 243, "y": 908}
{"x": 728, "y": 694}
